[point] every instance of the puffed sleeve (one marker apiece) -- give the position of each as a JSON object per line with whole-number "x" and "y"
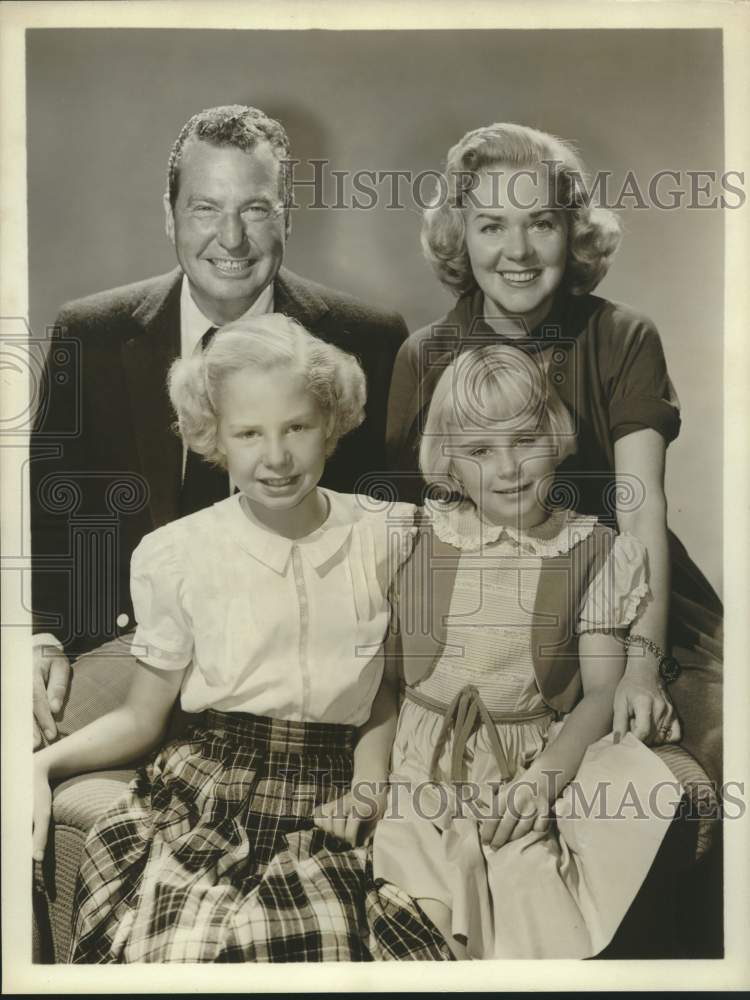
{"x": 640, "y": 392}
{"x": 619, "y": 590}
{"x": 163, "y": 637}
{"x": 380, "y": 545}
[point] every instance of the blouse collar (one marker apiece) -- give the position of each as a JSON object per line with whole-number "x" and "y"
{"x": 274, "y": 550}
{"x": 460, "y": 525}
{"x": 469, "y": 315}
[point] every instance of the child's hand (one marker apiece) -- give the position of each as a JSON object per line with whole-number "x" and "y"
{"x": 520, "y": 806}
{"x": 42, "y": 812}
{"x": 352, "y": 817}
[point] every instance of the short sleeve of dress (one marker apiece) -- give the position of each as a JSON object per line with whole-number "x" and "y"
{"x": 619, "y": 590}
{"x": 640, "y": 392}
{"x": 163, "y": 637}
{"x": 382, "y": 542}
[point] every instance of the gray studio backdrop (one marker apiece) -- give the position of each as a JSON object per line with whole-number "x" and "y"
{"x": 105, "y": 105}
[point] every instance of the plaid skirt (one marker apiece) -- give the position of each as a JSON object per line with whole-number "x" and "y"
{"x": 213, "y": 857}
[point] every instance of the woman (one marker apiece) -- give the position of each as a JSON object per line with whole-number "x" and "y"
{"x": 514, "y": 238}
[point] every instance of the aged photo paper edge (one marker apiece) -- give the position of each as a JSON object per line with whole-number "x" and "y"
{"x": 20, "y": 976}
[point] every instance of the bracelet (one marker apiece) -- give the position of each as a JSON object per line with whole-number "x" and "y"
{"x": 669, "y": 668}
{"x": 635, "y": 639}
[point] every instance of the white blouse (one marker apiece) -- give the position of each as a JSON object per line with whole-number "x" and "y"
{"x": 287, "y": 628}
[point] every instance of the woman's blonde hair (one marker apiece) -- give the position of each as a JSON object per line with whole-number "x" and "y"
{"x": 593, "y": 233}
{"x": 263, "y": 343}
{"x": 495, "y": 388}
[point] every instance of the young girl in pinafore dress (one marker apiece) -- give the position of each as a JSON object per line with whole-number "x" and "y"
{"x": 512, "y": 615}
{"x": 266, "y": 615}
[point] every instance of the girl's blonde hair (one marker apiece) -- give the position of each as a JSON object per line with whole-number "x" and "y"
{"x": 497, "y": 389}
{"x": 263, "y": 343}
{"x": 593, "y": 233}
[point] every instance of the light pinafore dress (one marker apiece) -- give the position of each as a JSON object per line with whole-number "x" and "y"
{"x": 481, "y": 703}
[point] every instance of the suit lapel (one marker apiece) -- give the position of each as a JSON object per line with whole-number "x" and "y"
{"x": 146, "y": 360}
{"x": 299, "y": 300}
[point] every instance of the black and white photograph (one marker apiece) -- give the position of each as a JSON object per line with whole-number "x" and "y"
{"x": 374, "y": 496}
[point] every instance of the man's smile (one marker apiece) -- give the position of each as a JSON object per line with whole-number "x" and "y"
{"x": 231, "y": 265}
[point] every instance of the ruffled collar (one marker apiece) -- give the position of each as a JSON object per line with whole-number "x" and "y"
{"x": 458, "y": 524}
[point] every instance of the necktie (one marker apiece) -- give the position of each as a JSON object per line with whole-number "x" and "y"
{"x": 204, "y": 483}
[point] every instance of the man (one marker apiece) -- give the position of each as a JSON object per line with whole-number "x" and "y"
{"x": 107, "y": 466}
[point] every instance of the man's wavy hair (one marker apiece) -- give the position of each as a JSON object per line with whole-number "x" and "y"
{"x": 593, "y": 233}
{"x": 235, "y": 125}
{"x": 264, "y": 343}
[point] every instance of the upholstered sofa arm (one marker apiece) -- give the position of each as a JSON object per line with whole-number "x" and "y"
{"x": 76, "y": 804}
{"x": 700, "y": 809}
{"x": 100, "y": 682}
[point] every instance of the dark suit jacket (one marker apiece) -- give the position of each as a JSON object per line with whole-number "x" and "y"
{"x": 106, "y": 462}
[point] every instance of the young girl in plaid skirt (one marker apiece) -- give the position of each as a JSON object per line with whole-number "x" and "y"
{"x": 265, "y": 614}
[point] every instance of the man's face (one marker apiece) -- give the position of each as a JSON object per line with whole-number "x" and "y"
{"x": 227, "y": 225}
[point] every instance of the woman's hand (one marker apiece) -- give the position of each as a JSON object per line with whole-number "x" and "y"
{"x": 519, "y": 806}
{"x": 42, "y": 811}
{"x": 643, "y": 707}
{"x": 353, "y": 816}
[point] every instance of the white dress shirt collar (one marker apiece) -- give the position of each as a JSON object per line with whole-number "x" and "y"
{"x": 193, "y": 324}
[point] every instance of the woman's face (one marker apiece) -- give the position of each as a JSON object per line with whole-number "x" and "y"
{"x": 517, "y": 243}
